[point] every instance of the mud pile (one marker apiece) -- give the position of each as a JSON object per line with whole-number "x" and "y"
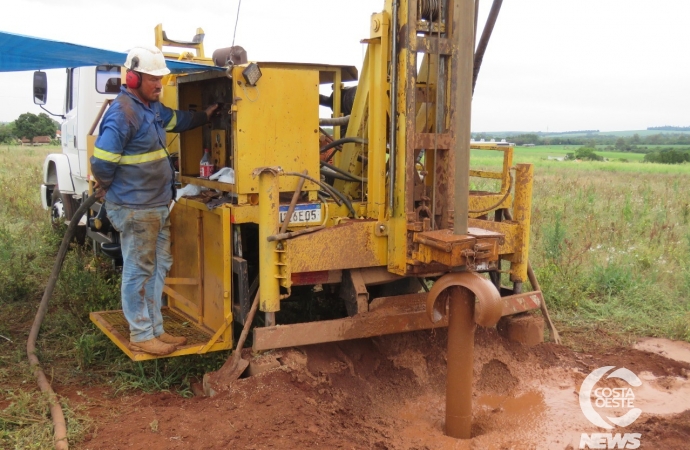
{"x": 389, "y": 393}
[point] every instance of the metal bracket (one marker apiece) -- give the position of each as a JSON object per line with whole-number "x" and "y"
{"x": 354, "y": 292}
{"x": 381, "y": 229}
{"x": 243, "y": 301}
{"x": 215, "y": 337}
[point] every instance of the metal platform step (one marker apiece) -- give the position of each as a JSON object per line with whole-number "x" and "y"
{"x": 115, "y": 326}
{"x": 386, "y": 315}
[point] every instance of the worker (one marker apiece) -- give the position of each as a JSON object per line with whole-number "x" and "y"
{"x": 133, "y": 169}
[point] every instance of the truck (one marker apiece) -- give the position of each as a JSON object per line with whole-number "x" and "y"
{"x": 373, "y": 222}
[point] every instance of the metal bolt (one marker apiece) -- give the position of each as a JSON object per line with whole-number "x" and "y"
{"x": 377, "y": 24}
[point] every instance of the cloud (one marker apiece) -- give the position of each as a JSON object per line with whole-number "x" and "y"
{"x": 569, "y": 64}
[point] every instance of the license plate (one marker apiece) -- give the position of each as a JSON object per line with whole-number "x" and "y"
{"x": 304, "y": 213}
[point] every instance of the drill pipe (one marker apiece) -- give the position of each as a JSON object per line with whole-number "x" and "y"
{"x": 461, "y": 328}
{"x": 459, "y": 290}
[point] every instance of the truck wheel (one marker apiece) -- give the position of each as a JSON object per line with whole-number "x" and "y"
{"x": 57, "y": 209}
{"x": 62, "y": 208}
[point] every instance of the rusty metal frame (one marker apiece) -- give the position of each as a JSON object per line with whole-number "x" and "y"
{"x": 387, "y": 315}
{"x": 490, "y": 201}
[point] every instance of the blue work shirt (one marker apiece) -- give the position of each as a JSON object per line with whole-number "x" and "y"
{"x": 130, "y": 159}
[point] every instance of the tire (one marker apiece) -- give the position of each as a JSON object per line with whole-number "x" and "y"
{"x": 62, "y": 208}
{"x": 57, "y": 209}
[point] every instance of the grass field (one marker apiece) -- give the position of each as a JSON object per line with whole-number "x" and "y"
{"x": 625, "y": 162}
{"x": 536, "y": 154}
{"x": 609, "y": 245}
{"x": 610, "y": 241}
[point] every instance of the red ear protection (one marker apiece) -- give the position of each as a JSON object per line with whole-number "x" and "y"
{"x": 133, "y": 79}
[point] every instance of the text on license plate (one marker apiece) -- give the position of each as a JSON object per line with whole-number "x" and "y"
{"x": 305, "y": 213}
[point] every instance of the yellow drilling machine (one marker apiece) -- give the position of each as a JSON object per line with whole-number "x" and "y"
{"x": 367, "y": 215}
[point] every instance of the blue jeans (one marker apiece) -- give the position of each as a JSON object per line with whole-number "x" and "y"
{"x": 145, "y": 241}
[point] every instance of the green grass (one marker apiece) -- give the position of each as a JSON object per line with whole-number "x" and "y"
{"x": 26, "y": 424}
{"x": 609, "y": 245}
{"x": 610, "y": 242}
{"x": 539, "y": 157}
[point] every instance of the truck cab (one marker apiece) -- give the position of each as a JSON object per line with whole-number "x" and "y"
{"x": 65, "y": 175}
{"x": 89, "y": 91}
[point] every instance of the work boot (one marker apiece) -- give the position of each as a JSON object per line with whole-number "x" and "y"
{"x": 170, "y": 339}
{"x": 152, "y": 346}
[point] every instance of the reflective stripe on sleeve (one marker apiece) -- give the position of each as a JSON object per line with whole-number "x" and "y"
{"x": 144, "y": 157}
{"x": 106, "y": 156}
{"x": 172, "y": 123}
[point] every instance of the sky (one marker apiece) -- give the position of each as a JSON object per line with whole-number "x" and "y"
{"x": 552, "y": 65}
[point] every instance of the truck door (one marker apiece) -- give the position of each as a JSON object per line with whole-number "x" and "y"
{"x": 97, "y": 85}
{"x": 69, "y": 125}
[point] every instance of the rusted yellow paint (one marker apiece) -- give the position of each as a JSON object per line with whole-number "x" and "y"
{"x": 189, "y": 350}
{"x": 90, "y": 145}
{"x": 522, "y": 214}
{"x": 377, "y": 59}
{"x": 357, "y": 127}
{"x": 227, "y": 273}
{"x": 352, "y": 244}
{"x": 488, "y": 202}
{"x": 337, "y": 101}
{"x": 201, "y": 242}
{"x": 397, "y": 223}
{"x": 214, "y": 343}
{"x": 277, "y": 125}
{"x": 268, "y": 225}
{"x": 485, "y": 202}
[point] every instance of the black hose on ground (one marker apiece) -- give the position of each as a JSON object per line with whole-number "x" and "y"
{"x": 59, "y": 425}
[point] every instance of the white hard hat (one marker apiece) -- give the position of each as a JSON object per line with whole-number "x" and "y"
{"x": 147, "y": 59}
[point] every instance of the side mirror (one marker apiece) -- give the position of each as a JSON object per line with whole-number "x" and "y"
{"x": 40, "y": 88}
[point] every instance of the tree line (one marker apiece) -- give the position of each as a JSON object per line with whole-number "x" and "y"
{"x": 28, "y": 126}
{"x": 669, "y": 128}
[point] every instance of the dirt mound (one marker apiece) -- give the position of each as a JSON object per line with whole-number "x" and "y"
{"x": 496, "y": 378}
{"x": 389, "y": 393}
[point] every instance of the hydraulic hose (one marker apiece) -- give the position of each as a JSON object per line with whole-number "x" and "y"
{"x": 333, "y": 192}
{"x": 351, "y": 176}
{"x": 329, "y": 173}
{"x": 345, "y": 140}
{"x": 334, "y": 121}
{"x": 59, "y": 425}
{"x": 497, "y": 204}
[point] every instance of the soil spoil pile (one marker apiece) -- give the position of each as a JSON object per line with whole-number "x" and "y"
{"x": 389, "y": 393}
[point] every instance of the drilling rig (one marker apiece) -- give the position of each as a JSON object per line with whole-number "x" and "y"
{"x": 376, "y": 216}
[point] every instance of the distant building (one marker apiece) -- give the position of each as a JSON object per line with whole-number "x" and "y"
{"x": 38, "y": 140}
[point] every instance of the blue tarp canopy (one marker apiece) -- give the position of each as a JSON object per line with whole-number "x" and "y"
{"x": 18, "y": 52}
